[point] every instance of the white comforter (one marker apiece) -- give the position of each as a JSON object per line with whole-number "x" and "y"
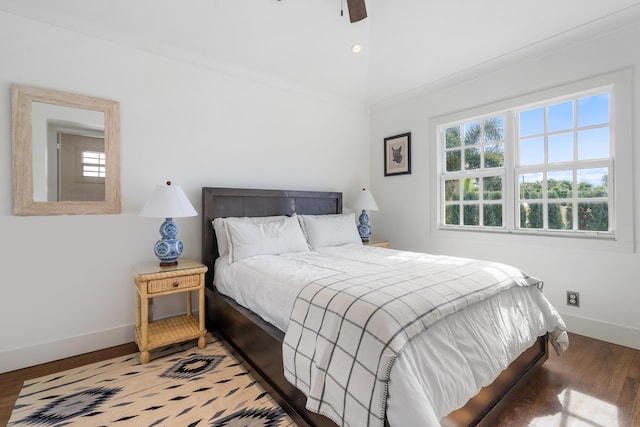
{"x": 478, "y": 342}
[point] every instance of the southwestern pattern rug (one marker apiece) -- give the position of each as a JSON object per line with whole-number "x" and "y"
{"x": 182, "y": 385}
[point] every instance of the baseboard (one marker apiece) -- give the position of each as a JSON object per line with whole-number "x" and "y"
{"x": 617, "y": 334}
{"x": 24, "y": 357}
{"x": 44, "y": 352}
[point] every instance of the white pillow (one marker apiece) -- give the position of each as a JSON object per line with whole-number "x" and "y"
{"x": 220, "y": 227}
{"x": 247, "y": 239}
{"x": 330, "y": 230}
{"x": 221, "y": 236}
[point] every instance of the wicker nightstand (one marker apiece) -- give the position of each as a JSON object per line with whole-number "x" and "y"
{"x": 378, "y": 243}
{"x": 154, "y": 281}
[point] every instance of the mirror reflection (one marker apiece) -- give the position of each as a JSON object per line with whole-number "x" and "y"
{"x": 68, "y": 153}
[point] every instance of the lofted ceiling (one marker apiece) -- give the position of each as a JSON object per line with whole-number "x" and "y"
{"x": 306, "y": 44}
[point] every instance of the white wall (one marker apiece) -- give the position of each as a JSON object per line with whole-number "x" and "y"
{"x": 606, "y": 279}
{"x": 66, "y": 285}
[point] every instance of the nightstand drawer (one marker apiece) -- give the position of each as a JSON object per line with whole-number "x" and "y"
{"x": 171, "y": 283}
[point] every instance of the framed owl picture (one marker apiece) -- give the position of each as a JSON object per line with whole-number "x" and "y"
{"x": 397, "y": 154}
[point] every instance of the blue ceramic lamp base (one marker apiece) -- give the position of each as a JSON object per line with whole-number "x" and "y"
{"x": 168, "y": 249}
{"x": 364, "y": 228}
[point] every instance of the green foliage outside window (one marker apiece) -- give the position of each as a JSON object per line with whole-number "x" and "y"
{"x": 591, "y": 216}
{"x": 452, "y": 215}
{"x": 492, "y": 215}
{"x": 471, "y": 214}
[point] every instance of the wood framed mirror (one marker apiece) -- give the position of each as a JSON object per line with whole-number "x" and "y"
{"x": 66, "y": 153}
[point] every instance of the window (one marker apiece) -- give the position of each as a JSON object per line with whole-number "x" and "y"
{"x": 93, "y": 164}
{"x": 474, "y": 173}
{"x": 542, "y": 167}
{"x": 563, "y": 165}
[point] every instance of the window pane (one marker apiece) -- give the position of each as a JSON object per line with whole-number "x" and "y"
{"x": 492, "y": 215}
{"x": 494, "y": 156}
{"x": 471, "y": 189}
{"x": 472, "y": 158}
{"x": 93, "y": 171}
{"x": 472, "y": 133}
{"x": 561, "y": 148}
{"x": 453, "y": 161}
{"x": 560, "y": 185}
{"x": 452, "y": 136}
{"x": 532, "y": 151}
{"x": 93, "y": 157}
{"x": 452, "y": 215}
{"x": 560, "y": 116}
{"x": 531, "y": 215}
{"x": 452, "y": 190}
{"x": 593, "y": 216}
{"x": 492, "y": 188}
{"x": 593, "y": 143}
{"x": 530, "y": 186}
{"x": 593, "y": 182}
{"x": 532, "y": 122}
{"x": 593, "y": 110}
{"x": 471, "y": 214}
{"x": 494, "y": 129}
{"x": 560, "y": 216}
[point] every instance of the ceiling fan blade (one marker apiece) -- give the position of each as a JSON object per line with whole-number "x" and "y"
{"x": 357, "y": 10}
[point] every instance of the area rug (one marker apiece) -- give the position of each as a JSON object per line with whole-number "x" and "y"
{"x": 182, "y": 385}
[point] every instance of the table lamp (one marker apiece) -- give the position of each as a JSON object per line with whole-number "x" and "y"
{"x": 364, "y": 200}
{"x": 168, "y": 201}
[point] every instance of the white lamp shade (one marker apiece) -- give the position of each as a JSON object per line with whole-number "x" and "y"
{"x": 168, "y": 201}
{"x": 364, "y": 200}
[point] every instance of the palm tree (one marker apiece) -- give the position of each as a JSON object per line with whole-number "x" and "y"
{"x": 494, "y": 155}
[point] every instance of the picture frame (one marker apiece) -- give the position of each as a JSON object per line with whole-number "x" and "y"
{"x": 397, "y": 154}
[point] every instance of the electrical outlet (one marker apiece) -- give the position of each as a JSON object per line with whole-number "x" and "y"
{"x": 573, "y": 298}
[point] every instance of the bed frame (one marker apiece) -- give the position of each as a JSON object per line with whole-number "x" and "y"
{"x": 259, "y": 344}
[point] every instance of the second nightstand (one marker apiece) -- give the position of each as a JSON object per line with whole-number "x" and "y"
{"x": 153, "y": 281}
{"x": 378, "y": 243}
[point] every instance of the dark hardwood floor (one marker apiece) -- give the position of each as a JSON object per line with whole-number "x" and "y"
{"x": 593, "y": 384}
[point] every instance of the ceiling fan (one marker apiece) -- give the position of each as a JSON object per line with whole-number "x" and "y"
{"x": 357, "y": 10}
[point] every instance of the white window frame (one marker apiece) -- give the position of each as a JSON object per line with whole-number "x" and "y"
{"x": 475, "y": 173}
{"x": 573, "y": 166}
{"x": 621, "y": 235}
{"x": 100, "y": 164}
{"x": 80, "y": 176}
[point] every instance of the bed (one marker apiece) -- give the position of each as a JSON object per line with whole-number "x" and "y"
{"x": 260, "y": 344}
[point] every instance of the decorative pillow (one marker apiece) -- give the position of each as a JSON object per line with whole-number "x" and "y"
{"x": 248, "y": 239}
{"x": 330, "y": 230}
{"x": 220, "y": 227}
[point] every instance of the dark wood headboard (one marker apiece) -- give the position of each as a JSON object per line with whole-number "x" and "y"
{"x": 226, "y": 202}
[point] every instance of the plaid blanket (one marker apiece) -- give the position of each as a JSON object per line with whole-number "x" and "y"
{"x": 347, "y": 329}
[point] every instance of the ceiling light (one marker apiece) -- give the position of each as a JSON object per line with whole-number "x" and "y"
{"x": 356, "y": 48}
